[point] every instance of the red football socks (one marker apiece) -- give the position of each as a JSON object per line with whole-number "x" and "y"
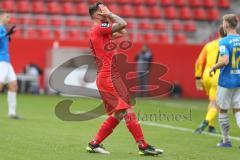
{"x": 105, "y": 130}
{"x": 135, "y": 129}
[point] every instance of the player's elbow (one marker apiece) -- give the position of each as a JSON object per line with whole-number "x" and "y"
{"x": 226, "y": 62}
{"x": 124, "y": 24}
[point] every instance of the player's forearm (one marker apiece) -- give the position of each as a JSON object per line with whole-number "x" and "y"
{"x": 222, "y": 62}
{"x": 116, "y": 19}
{"x": 119, "y": 23}
{"x": 219, "y": 65}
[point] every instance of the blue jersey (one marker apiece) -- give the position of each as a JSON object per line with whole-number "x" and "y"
{"x": 230, "y": 74}
{"x": 4, "y": 49}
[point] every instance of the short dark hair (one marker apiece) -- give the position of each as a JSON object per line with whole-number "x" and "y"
{"x": 221, "y": 31}
{"x": 231, "y": 19}
{"x": 93, "y": 8}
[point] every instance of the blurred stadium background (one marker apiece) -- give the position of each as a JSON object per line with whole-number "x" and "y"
{"x": 48, "y": 30}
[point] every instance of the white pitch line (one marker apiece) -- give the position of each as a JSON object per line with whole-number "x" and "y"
{"x": 183, "y": 129}
{"x": 176, "y": 128}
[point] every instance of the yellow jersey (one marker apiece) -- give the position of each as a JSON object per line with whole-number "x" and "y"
{"x": 207, "y": 58}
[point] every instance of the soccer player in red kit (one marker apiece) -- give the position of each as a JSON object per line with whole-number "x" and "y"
{"x": 108, "y": 26}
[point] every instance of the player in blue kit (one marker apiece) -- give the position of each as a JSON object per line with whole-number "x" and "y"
{"x": 228, "y": 95}
{"x": 7, "y": 74}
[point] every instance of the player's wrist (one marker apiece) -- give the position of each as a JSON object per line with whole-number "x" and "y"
{"x": 110, "y": 14}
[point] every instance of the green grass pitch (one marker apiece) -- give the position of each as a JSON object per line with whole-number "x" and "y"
{"x": 42, "y": 136}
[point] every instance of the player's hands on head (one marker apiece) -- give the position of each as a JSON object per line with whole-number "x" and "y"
{"x": 199, "y": 84}
{"x": 104, "y": 11}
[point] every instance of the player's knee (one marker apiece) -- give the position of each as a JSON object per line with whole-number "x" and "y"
{"x": 13, "y": 87}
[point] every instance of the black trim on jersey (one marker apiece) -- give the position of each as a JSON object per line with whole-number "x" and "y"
{"x": 217, "y": 56}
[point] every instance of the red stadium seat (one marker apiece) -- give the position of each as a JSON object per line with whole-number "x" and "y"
{"x": 179, "y": 38}
{"x": 137, "y": 2}
{"x": 213, "y": 14}
{"x": 170, "y": 12}
{"x": 114, "y": 8}
{"x": 45, "y": 34}
{"x": 141, "y": 12}
{"x": 129, "y": 24}
{"x": 82, "y": 9}
{"x": 145, "y": 25}
{"x": 165, "y": 2}
{"x": 123, "y": 1}
{"x": 25, "y": 20}
{"x": 150, "y": 37}
{"x": 41, "y": 21}
{"x": 127, "y": 11}
{"x": 73, "y": 35}
{"x": 155, "y": 12}
{"x": 85, "y": 35}
{"x": 18, "y": 33}
{"x": 208, "y": 3}
{"x": 56, "y": 22}
{"x": 195, "y": 3}
{"x": 160, "y": 25}
{"x": 57, "y": 34}
{"x": 71, "y": 22}
{"x": 107, "y": 1}
{"x": 185, "y": 13}
{"x": 53, "y": 7}
{"x": 151, "y": 2}
{"x": 8, "y": 5}
{"x": 138, "y": 37}
{"x": 68, "y": 8}
{"x": 163, "y": 38}
{"x": 32, "y": 33}
{"x": 199, "y": 14}
{"x": 224, "y": 4}
{"x": 23, "y": 6}
{"x": 189, "y": 27}
{"x": 14, "y": 20}
{"x": 180, "y": 2}
{"x": 85, "y": 23}
{"x": 176, "y": 26}
{"x": 90, "y": 1}
{"x": 38, "y": 7}
{"x": 130, "y": 36}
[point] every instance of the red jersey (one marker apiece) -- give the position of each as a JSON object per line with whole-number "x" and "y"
{"x": 100, "y": 36}
{"x": 112, "y": 89}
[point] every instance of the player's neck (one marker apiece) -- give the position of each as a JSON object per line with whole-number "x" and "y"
{"x": 232, "y": 32}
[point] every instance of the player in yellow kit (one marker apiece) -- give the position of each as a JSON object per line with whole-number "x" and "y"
{"x": 207, "y": 58}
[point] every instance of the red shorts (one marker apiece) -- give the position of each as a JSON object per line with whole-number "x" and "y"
{"x": 114, "y": 93}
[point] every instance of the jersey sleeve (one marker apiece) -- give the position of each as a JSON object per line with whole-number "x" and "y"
{"x": 2, "y": 32}
{"x": 104, "y": 28}
{"x": 199, "y": 65}
{"x": 223, "y": 48}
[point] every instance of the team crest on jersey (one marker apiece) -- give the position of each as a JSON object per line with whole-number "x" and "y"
{"x": 105, "y": 25}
